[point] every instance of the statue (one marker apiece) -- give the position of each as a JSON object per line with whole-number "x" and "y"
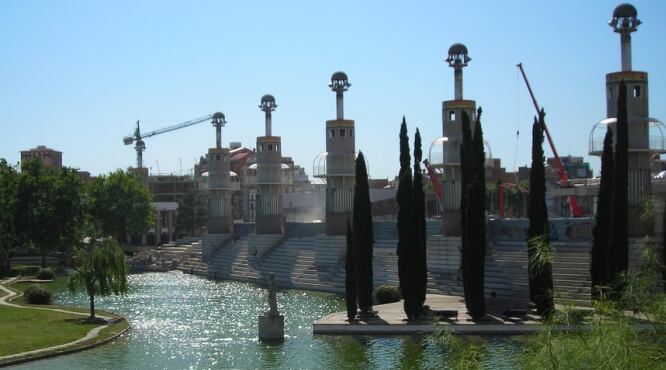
{"x": 272, "y": 298}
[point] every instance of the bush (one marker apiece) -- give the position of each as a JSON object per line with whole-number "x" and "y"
{"x": 38, "y": 294}
{"x": 388, "y": 294}
{"x": 45, "y": 274}
{"x": 23, "y": 270}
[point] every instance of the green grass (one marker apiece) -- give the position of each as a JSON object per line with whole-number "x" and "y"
{"x": 26, "y": 329}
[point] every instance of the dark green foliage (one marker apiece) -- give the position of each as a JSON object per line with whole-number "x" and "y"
{"x": 663, "y": 250}
{"x": 120, "y": 204}
{"x": 45, "y": 274}
{"x": 38, "y": 294}
{"x": 192, "y": 213}
{"x": 388, "y": 294}
{"x": 10, "y": 233}
{"x": 473, "y": 222}
{"x": 350, "y": 275}
{"x": 51, "y": 208}
{"x": 101, "y": 269}
{"x": 599, "y": 261}
{"x": 538, "y": 243}
{"x": 23, "y": 270}
{"x": 362, "y": 237}
{"x": 405, "y": 198}
{"x": 420, "y": 266}
{"x": 619, "y": 238}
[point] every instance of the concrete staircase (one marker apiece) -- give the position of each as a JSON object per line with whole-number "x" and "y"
{"x": 571, "y": 273}
{"x": 236, "y": 260}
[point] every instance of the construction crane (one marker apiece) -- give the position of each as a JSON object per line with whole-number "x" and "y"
{"x": 561, "y": 172}
{"x": 137, "y": 137}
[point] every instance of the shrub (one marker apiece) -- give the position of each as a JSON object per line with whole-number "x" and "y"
{"x": 45, "y": 274}
{"x": 38, "y": 294}
{"x": 388, "y": 294}
{"x": 23, "y": 270}
{"x": 15, "y": 271}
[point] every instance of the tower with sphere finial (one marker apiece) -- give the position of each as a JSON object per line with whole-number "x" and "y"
{"x": 269, "y": 209}
{"x": 219, "y": 183}
{"x": 340, "y": 162}
{"x": 646, "y": 139}
{"x": 457, "y": 59}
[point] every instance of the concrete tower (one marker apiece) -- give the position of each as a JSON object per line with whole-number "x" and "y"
{"x": 642, "y": 147}
{"x": 340, "y": 162}
{"x": 270, "y": 218}
{"x": 219, "y": 183}
{"x": 452, "y": 133}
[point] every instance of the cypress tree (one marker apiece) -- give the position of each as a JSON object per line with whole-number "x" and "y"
{"x": 663, "y": 248}
{"x": 599, "y": 261}
{"x": 421, "y": 268}
{"x": 472, "y": 215}
{"x": 477, "y": 219}
{"x": 405, "y": 198}
{"x": 619, "y": 238}
{"x": 538, "y": 244}
{"x": 363, "y": 238}
{"x": 350, "y": 276}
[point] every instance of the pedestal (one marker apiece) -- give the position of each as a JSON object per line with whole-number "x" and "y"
{"x": 271, "y": 327}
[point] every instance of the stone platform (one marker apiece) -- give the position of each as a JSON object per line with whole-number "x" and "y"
{"x": 391, "y": 320}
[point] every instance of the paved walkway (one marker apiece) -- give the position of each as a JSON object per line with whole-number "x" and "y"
{"x": 391, "y": 319}
{"x": 93, "y": 333}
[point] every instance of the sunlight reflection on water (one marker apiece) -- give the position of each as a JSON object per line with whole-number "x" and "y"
{"x": 181, "y": 321}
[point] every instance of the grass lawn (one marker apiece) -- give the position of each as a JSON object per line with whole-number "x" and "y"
{"x": 26, "y": 329}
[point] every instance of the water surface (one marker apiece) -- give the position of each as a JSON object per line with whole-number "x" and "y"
{"x": 182, "y": 321}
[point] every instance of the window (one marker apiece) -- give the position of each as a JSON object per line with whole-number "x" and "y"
{"x": 610, "y": 92}
{"x": 342, "y": 132}
{"x": 331, "y": 133}
{"x": 637, "y": 91}
{"x": 261, "y": 147}
{"x": 351, "y": 132}
{"x": 217, "y": 157}
{"x": 452, "y": 116}
{"x": 277, "y": 147}
{"x": 270, "y": 147}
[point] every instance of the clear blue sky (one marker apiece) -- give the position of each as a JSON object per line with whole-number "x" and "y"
{"x": 76, "y": 75}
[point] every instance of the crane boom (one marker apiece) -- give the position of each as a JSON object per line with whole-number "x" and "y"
{"x": 138, "y": 137}
{"x": 178, "y": 126}
{"x": 564, "y": 179}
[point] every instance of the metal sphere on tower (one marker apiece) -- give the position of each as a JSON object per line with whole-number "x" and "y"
{"x": 624, "y": 18}
{"x": 458, "y": 56}
{"x": 339, "y": 82}
{"x": 219, "y": 120}
{"x": 267, "y": 103}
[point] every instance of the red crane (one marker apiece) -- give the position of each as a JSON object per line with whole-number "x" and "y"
{"x": 564, "y": 179}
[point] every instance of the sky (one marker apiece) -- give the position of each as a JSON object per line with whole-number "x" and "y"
{"x": 77, "y": 75}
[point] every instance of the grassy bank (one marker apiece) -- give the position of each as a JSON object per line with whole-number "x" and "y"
{"x": 27, "y": 329}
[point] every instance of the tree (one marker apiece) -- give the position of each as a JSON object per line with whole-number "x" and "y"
{"x": 350, "y": 275}
{"x": 192, "y": 213}
{"x": 599, "y": 259}
{"x": 101, "y": 269}
{"x": 406, "y": 240}
{"x": 619, "y": 238}
{"x": 51, "y": 207}
{"x": 472, "y": 207}
{"x": 10, "y": 233}
{"x": 663, "y": 249}
{"x": 362, "y": 236}
{"x": 421, "y": 268}
{"x": 120, "y": 204}
{"x": 539, "y": 265}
